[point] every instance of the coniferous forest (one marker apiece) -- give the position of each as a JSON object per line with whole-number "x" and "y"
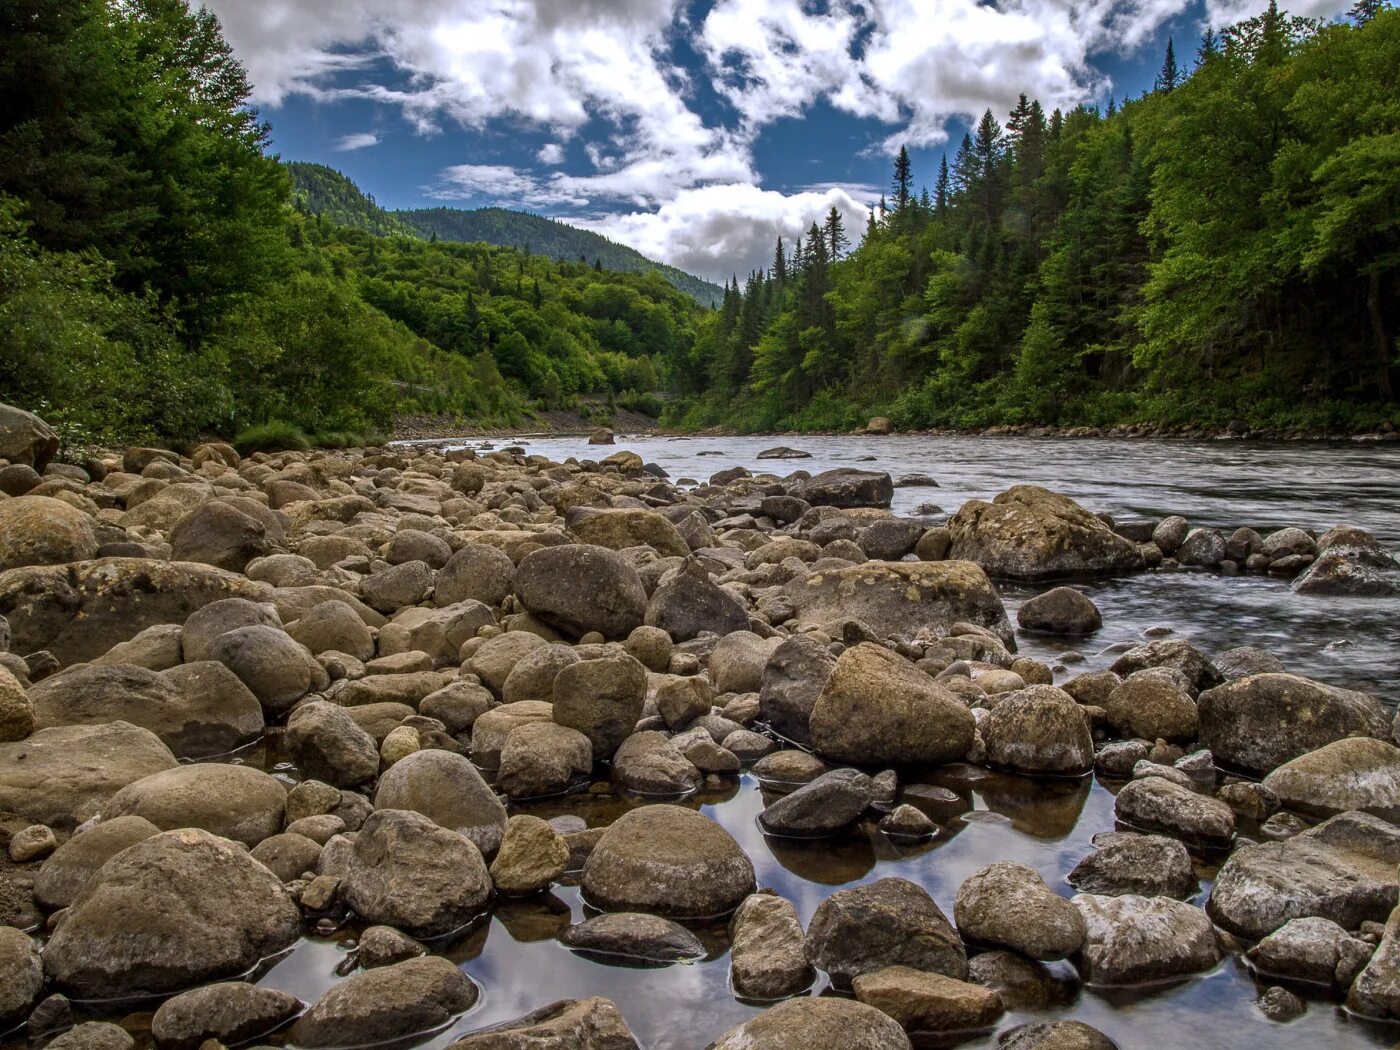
{"x": 1225, "y": 248}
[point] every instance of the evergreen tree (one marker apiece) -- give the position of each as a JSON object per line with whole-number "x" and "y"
{"x": 835, "y": 234}
{"x": 902, "y": 183}
{"x": 1170, "y": 76}
{"x": 941, "y": 189}
{"x": 780, "y": 265}
{"x": 1364, "y": 10}
{"x": 1209, "y": 47}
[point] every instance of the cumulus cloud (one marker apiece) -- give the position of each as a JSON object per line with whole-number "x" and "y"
{"x": 550, "y": 153}
{"x": 720, "y": 230}
{"x": 359, "y": 140}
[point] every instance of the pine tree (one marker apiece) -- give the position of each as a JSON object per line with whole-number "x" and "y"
{"x": 1210, "y": 46}
{"x": 902, "y": 183}
{"x": 941, "y": 189}
{"x": 780, "y": 265}
{"x": 1170, "y": 76}
{"x": 1364, "y": 10}
{"x": 1020, "y": 116}
{"x": 966, "y": 173}
{"x": 1112, "y": 106}
{"x": 835, "y": 234}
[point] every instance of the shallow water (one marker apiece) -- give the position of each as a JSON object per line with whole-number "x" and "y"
{"x": 514, "y": 957}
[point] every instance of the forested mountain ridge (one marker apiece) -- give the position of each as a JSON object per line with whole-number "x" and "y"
{"x": 557, "y": 240}
{"x": 156, "y": 279}
{"x": 1225, "y": 248}
{"x": 321, "y": 191}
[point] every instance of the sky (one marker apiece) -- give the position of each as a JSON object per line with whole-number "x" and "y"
{"x": 696, "y": 131}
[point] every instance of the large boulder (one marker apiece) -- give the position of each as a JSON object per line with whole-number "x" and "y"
{"x": 570, "y": 1024}
{"x": 1060, "y": 610}
{"x": 687, "y": 602}
{"x": 1031, "y": 533}
{"x": 1161, "y": 805}
{"x": 407, "y": 872}
{"x": 221, "y": 535}
{"x": 148, "y": 922}
{"x": 1039, "y": 729}
{"x": 328, "y": 744}
{"x": 891, "y": 922}
{"x": 1358, "y": 773}
{"x": 78, "y": 612}
{"x": 447, "y": 789}
{"x": 1260, "y": 722}
{"x": 542, "y": 758}
{"x": 40, "y": 530}
{"x": 276, "y": 668}
{"x": 231, "y": 1012}
{"x": 877, "y": 707}
{"x": 1134, "y": 940}
{"x": 475, "y": 573}
{"x": 929, "y": 1002}
{"x": 821, "y": 807}
{"x": 25, "y": 438}
{"x": 649, "y": 764}
{"x": 1350, "y": 562}
{"x": 198, "y": 710}
{"x": 829, "y": 1023}
{"x": 234, "y": 802}
{"x": 1152, "y": 706}
{"x": 669, "y": 861}
{"x": 602, "y": 699}
{"x": 767, "y": 959}
{"x": 1344, "y": 870}
{"x": 793, "y": 679}
{"x": 21, "y": 975}
{"x": 17, "y": 718}
{"x": 619, "y": 529}
{"x": 386, "y": 1004}
{"x": 333, "y": 626}
{"x": 579, "y": 588}
{"x": 1008, "y": 905}
{"x": 64, "y": 775}
{"x": 1148, "y": 865}
{"x": 71, "y": 867}
{"x": 846, "y": 487}
{"x": 1376, "y": 990}
{"x": 900, "y": 598}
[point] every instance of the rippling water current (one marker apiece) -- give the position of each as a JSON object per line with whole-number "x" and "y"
{"x": 514, "y": 956}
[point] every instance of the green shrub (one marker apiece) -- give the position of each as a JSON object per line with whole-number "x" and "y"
{"x": 273, "y": 436}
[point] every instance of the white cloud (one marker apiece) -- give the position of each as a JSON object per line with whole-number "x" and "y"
{"x": 551, "y": 153}
{"x": 717, "y": 231}
{"x": 359, "y": 140}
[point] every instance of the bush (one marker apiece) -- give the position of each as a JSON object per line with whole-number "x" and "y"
{"x": 273, "y": 436}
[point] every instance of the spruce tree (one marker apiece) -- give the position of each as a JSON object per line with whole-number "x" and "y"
{"x": 903, "y": 182}
{"x": 1364, "y": 10}
{"x": 941, "y": 189}
{"x": 1170, "y": 76}
{"x": 780, "y": 266}
{"x": 835, "y": 234}
{"x": 1210, "y": 46}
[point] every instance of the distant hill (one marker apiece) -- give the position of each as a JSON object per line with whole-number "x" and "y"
{"x": 319, "y": 190}
{"x": 551, "y": 238}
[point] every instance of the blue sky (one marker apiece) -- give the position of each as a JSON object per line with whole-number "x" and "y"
{"x": 694, "y": 130}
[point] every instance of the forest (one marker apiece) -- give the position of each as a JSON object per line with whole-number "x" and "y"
{"x": 158, "y": 279}
{"x": 1224, "y": 250}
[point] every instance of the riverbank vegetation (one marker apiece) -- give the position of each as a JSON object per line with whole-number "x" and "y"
{"x": 1225, "y": 248}
{"x": 157, "y": 277}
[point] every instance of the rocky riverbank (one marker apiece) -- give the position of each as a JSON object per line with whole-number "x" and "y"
{"x": 423, "y": 645}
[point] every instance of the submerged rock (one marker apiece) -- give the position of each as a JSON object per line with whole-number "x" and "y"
{"x": 928, "y": 1002}
{"x": 387, "y": 1003}
{"x": 570, "y": 1024}
{"x": 634, "y": 935}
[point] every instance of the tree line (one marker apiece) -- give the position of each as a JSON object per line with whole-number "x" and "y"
{"x": 1224, "y": 248}
{"x": 158, "y": 279}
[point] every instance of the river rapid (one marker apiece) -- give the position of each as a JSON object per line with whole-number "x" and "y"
{"x": 514, "y": 955}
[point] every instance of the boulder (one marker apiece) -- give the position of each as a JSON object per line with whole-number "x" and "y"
{"x": 491, "y": 730}
{"x": 767, "y": 959}
{"x": 1009, "y": 905}
{"x": 1055, "y": 1035}
{"x": 929, "y": 1002}
{"x": 1358, "y": 773}
{"x": 398, "y": 586}
{"x": 532, "y": 855}
{"x": 21, "y": 975}
{"x": 846, "y": 487}
{"x": 622, "y": 528}
{"x": 1350, "y": 563}
{"x": 532, "y": 678}
{"x": 1134, "y": 940}
{"x": 447, "y": 789}
{"x": 1202, "y": 548}
{"x": 793, "y": 679}
{"x": 1173, "y": 654}
{"x": 197, "y": 710}
{"x": 541, "y": 758}
{"x": 891, "y": 539}
{"x": 333, "y": 626}
{"x": 890, "y": 922}
{"x": 876, "y": 707}
{"x": 475, "y": 573}
{"x": 1344, "y": 870}
{"x": 386, "y": 1004}
{"x": 1060, "y": 611}
{"x": 1161, "y": 805}
{"x": 79, "y": 612}
{"x": 900, "y": 598}
{"x": 602, "y": 699}
{"x": 234, "y": 802}
{"x": 649, "y": 764}
{"x": 70, "y": 867}
{"x": 17, "y": 718}
{"x": 668, "y": 861}
{"x": 147, "y": 923}
{"x": 1150, "y": 705}
{"x": 276, "y": 668}
{"x": 1146, "y": 865}
{"x": 407, "y": 872}
{"x": 328, "y": 745}
{"x": 64, "y": 775}
{"x": 822, "y": 807}
{"x": 1312, "y": 949}
{"x": 1376, "y": 990}
{"x": 230, "y": 1013}
{"x": 1031, "y": 533}
{"x": 228, "y": 614}
{"x": 634, "y": 935}
{"x": 93, "y": 1035}
{"x": 25, "y": 438}
{"x": 220, "y": 535}
{"x": 737, "y": 662}
{"x": 570, "y": 1024}
{"x": 579, "y": 588}
{"x": 1039, "y": 729}
{"x": 829, "y": 1023}
{"x": 687, "y": 603}
{"x": 39, "y": 530}
{"x": 1260, "y": 722}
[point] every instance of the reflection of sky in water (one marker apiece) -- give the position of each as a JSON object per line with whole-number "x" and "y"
{"x": 518, "y": 963}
